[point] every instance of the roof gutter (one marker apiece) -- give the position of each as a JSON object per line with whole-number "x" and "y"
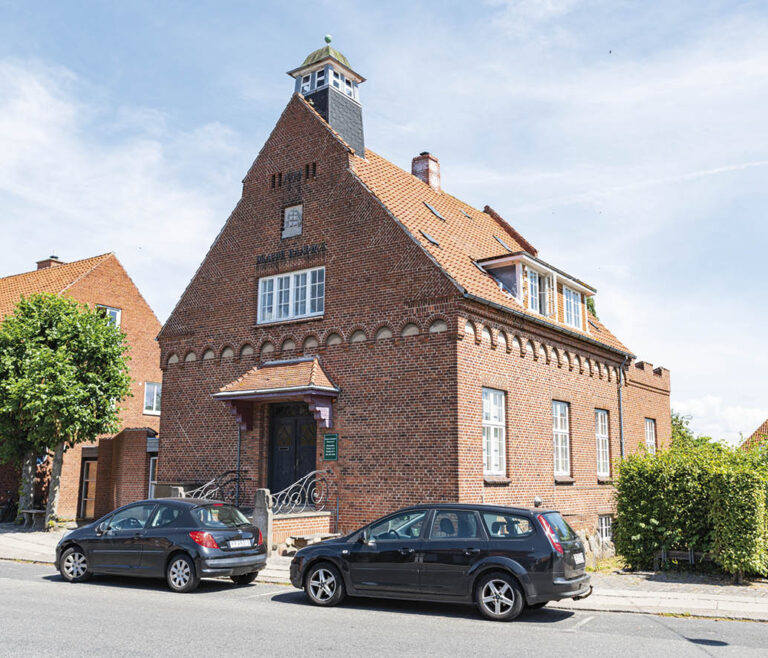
{"x": 543, "y": 323}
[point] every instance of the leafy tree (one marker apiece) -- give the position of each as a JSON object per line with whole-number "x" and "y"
{"x": 63, "y": 369}
{"x": 591, "y": 307}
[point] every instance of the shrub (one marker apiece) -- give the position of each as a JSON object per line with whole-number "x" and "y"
{"x": 695, "y": 495}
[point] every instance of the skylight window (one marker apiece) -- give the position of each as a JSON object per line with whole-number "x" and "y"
{"x": 434, "y": 211}
{"x": 430, "y": 238}
{"x": 479, "y": 267}
{"x": 503, "y": 244}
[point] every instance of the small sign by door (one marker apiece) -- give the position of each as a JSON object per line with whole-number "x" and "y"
{"x": 330, "y": 447}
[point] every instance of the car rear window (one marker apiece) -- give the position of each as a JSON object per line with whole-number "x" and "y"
{"x": 563, "y": 531}
{"x": 220, "y": 516}
{"x": 507, "y": 526}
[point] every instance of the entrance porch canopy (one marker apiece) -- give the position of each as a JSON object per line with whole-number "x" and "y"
{"x": 302, "y": 380}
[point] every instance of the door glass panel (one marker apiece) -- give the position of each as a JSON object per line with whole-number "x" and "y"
{"x": 454, "y": 524}
{"x": 400, "y": 526}
{"x": 88, "y": 491}
{"x": 131, "y": 518}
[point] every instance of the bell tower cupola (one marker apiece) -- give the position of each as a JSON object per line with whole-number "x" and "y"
{"x": 329, "y": 83}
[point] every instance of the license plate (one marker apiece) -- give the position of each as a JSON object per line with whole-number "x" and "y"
{"x": 241, "y": 543}
{"x": 578, "y": 558}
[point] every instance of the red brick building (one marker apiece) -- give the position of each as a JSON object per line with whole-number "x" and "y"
{"x": 759, "y": 436}
{"x": 345, "y": 296}
{"x": 116, "y": 469}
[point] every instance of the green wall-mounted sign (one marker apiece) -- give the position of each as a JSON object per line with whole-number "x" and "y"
{"x": 331, "y": 447}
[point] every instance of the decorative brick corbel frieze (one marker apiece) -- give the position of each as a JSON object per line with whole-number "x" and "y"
{"x": 321, "y": 407}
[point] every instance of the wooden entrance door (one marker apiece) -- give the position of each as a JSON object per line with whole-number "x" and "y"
{"x": 88, "y": 489}
{"x": 293, "y": 435}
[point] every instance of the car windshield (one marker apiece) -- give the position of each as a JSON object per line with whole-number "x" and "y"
{"x": 563, "y": 531}
{"x": 219, "y": 515}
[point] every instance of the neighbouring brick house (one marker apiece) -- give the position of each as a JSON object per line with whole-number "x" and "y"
{"x": 345, "y": 296}
{"x": 759, "y": 436}
{"x": 115, "y": 469}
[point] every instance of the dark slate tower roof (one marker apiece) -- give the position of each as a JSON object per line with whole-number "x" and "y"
{"x": 328, "y": 82}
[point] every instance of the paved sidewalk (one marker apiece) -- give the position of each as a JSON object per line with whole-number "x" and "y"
{"x": 673, "y": 593}
{"x": 17, "y": 543}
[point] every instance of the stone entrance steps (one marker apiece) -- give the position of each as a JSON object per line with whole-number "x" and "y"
{"x": 278, "y": 570}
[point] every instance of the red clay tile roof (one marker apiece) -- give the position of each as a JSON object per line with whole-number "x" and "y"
{"x": 760, "y": 435}
{"x": 55, "y": 280}
{"x": 279, "y": 375}
{"x": 465, "y": 235}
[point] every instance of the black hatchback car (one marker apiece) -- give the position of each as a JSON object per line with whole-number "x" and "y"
{"x": 502, "y": 559}
{"x": 179, "y": 539}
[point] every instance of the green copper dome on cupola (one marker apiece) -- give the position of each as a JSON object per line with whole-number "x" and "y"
{"x": 322, "y": 53}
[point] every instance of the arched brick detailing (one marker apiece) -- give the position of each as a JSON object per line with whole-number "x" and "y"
{"x": 486, "y": 336}
{"x": 227, "y": 352}
{"x": 518, "y": 345}
{"x": 502, "y": 342}
{"x": 190, "y": 356}
{"x": 358, "y": 336}
{"x": 288, "y": 344}
{"x": 311, "y": 342}
{"x": 172, "y": 358}
{"x": 333, "y": 338}
{"x": 410, "y": 329}
{"x": 246, "y": 350}
{"x": 469, "y": 329}
{"x": 208, "y": 354}
{"x": 267, "y": 348}
{"x": 384, "y": 332}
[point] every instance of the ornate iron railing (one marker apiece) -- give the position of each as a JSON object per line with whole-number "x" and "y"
{"x": 223, "y": 487}
{"x": 312, "y": 493}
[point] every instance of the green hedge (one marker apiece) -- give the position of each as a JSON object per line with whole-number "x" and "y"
{"x": 694, "y": 496}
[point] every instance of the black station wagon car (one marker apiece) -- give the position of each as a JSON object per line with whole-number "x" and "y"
{"x": 179, "y": 539}
{"x": 502, "y": 559}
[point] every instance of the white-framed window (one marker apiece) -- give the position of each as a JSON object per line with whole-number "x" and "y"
{"x": 603, "y": 443}
{"x": 561, "y": 437}
{"x": 336, "y": 79}
{"x": 494, "y": 434}
{"x": 650, "y": 435}
{"x": 152, "y": 476}
{"x": 539, "y": 292}
{"x": 320, "y": 78}
{"x": 153, "y": 392}
{"x": 572, "y": 305}
{"x": 114, "y": 315}
{"x": 305, "y": 86}
{"x": 605, "y": 527}
{"x": 348, "y": 86}
{"x": 292, "y": 296}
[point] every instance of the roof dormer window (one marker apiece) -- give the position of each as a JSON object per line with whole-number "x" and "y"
{"x": 572, "y": 306}
{"x": 539, "y": 292}
{"x": 320, "y": 78}
{"x": 348, "y": 86}
{"x": 305, "y": 84}
{"x": 336, "y": 79}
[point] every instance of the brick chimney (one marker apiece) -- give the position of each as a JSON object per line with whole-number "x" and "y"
{"x": 51, "y": 261}
{"x": 426, "y": 167}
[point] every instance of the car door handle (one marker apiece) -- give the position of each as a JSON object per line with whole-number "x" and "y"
{"x": 471, "y": 551}
{"x": 406, "y": 551}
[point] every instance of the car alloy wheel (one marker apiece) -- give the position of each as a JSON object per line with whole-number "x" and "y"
{"x": 75, "y": 565}
{"x": 180, "y": 574}
{"x": 498, "y": 597}
{"x": 322, "y": 584}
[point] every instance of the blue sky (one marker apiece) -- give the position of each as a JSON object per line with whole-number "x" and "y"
{"x": 627, "y": 141}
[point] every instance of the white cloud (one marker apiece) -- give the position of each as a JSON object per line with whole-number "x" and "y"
{"x": 718, "y": 419}
{"x": 82, "y": 179}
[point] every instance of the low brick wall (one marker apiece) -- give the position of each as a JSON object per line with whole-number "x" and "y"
{"x": 306, "y": 523}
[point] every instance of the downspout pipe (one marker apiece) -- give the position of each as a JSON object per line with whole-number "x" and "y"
{"x": 237, "y": 480}
{"x": 621, "y": 405}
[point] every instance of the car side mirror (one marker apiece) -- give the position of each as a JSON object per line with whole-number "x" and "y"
{"x": 101, "y": 528}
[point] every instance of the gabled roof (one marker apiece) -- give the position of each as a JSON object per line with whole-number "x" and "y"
{"x": 760, "y": 435}
{"x": 464, "y": 237}
{"x": 298, "y": 375}
{"x": 56, "y": 280}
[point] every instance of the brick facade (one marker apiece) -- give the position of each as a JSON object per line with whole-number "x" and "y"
{"x": 393, "y": 339}
{"x": 122, "y": 475}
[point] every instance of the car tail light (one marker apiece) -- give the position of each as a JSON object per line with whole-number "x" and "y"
{"x": 261, "y": 539}
{"x": 550, "y": 534}
{"x": 205, "y": 539}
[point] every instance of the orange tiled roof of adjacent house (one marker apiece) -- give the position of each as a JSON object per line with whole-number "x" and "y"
{"x": 760, "y": 435}
{"x": 298, "y": 373}
{"x": 56, "y": 280}
{"x": 463, "y": 235}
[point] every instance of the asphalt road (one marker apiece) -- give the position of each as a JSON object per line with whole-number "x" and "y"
{"x": 40, "y": 614}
